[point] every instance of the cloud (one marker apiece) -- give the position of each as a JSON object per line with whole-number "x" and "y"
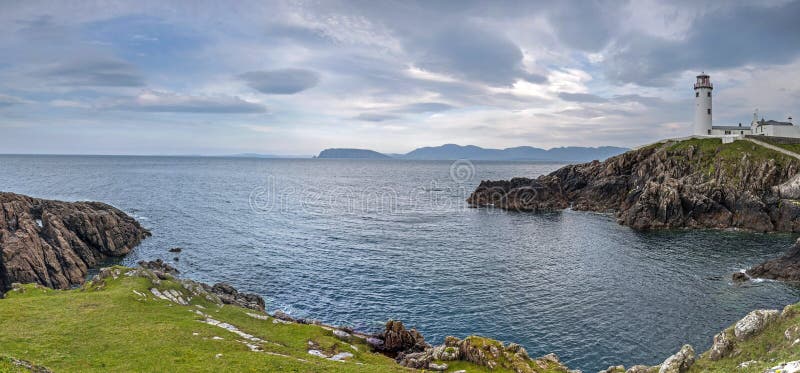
{"x": 6, "y": 101}
{"x": 94, "y": 73}
{"x": 375, "y": 117}
{"x": 581, "y": 97}
{"x": 723, "y": 39}
{"x": 159, "y": 101}
{"x": 281, "y": 82}
{"x": 472, "y": 52}
{"x": 425, "y": 107}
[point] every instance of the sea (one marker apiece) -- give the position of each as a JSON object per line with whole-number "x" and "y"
{"x": 359, "y": 242}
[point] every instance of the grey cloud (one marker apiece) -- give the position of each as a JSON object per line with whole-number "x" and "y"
{"x": 582, "y": 24}
{"x": 581, "y": 97}
{"x": 6, "y": 101}
{"x": 157, "y": 101}
{"x": 471, "y": 52}
{"x": 375, "y": 117}
{"x": 425, "y": 107}
{"x": 95, "y": 73}
{"x": 282, "y": 81}
{"x": 725, "y": 39}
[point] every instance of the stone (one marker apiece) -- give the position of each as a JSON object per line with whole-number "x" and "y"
{"x": 746, "y": 364}
{"x": 414, "y": 360}
{"x": 790, "y": 367}
{"x": 740, "y": 277}
{"x": 396, "y": 339}
{"x": 680, "y": 362}
{"x": 722, "y": 346}
{"x": 639, "y": 369}
{"x": 54, "y": 243}
{"x": 438, "y": 367}
{"x": 754, "y": 322}
{"x": 341, "y": 334}
{"x": 162, "y": 269}
{"x": 613, "y": 369}
{"x": 175, "y": 250}
{"x": 229, "y": 295}
{"x": 280, "y": 315}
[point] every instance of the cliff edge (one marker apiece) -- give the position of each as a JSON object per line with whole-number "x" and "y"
{"x": 697, "y": 183}
{"x": 54, "y": 243}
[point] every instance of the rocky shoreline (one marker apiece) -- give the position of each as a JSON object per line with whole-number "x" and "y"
{"x": 55, "y": 243}
{"x": 785, "y": 268}
{"x": 698, "y": 183}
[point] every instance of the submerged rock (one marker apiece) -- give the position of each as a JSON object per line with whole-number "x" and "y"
{"x": 54, "y": 243}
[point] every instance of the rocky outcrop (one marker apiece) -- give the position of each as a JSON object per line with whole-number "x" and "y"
{"x": 680, "y": 362}
{"x": 54, "y": 243}
{"x": 785, "y": 268}
{"x": 397, "y": 339}
{"x": 220, "y": 293}
{"x": 480, "y": 351}
{"x": 694, "y": 184}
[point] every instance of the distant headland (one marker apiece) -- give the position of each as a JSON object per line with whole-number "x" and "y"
{"x": 476, "y": 153}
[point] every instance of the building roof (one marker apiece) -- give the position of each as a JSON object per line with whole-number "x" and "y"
{"x": 731, "y": 128}
{"x": 773, "y": 123}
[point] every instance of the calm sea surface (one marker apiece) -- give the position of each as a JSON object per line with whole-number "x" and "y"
{"x": 360, "y": 241}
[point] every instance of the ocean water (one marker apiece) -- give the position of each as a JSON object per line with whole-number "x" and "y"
{"x": 358, "y": 242}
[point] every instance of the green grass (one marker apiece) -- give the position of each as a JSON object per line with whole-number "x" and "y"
{"x": 769, "y": 348}
{"x": 112, "y": 329}
{"x": 711, "y": 156}
{"x": 795, "y": 148}
{"x": 105, "y": 326}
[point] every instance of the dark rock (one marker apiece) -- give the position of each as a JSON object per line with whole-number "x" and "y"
{"x": 662, "y": 186}
{"x": 175, "y": 250}
{"x": 397, "y": 339}
{"x": 160, "y": 268}
{"x": 280, "y": 315}
{"x": 229, "y": 295}
{"x": 54, "y": 243}
{"x": 740, "y": 277}
{"x": 785, "y": 268}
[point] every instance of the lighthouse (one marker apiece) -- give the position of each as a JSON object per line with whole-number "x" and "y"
{"x": 702, "y": 105}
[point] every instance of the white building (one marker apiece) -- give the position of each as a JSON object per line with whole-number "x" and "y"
{"x": 703, "y": 123}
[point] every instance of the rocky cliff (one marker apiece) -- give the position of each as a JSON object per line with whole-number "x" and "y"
{"x": 698, "y": 183}
{"x": 785, "y": 268}
{"x": 54, "y": 243}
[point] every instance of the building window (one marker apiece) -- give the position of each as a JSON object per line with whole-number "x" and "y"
{"x": 727, "y": 132}
{"x": 709, "y": 111}
{"x": 709, "y": 94}
{"x": 709, "y": 132}
{"x": 697, "y": 94}
{"x": 741, "y": 132}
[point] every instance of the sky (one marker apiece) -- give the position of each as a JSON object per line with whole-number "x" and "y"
{"x": 295, "y": 77}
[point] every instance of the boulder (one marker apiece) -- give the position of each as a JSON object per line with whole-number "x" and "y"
{"x": 229, "y": 295}
{"x": 722, "y": 346}
{"x": 397, "y": 339}
{"x": 754, "y": 322}
{"x": 54, "y": 243}
{"x": 680, "y": 362}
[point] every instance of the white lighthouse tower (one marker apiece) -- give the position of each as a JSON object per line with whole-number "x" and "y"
{"x": 702, "y": 105}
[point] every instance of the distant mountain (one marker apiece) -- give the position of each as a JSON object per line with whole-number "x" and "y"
{"x": 520, "y": 153}
{"x": 352, "y": 153}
